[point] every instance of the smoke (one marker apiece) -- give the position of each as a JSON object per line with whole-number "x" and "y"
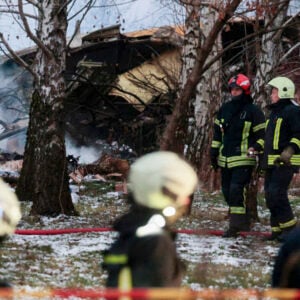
{"x": 14, "y": 83}
{"x": 86, "y": 154}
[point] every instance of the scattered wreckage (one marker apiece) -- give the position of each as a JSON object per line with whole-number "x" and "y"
{"x": 109, "y": 167}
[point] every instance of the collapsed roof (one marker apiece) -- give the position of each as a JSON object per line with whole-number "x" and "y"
{"x": 117, "y": 83}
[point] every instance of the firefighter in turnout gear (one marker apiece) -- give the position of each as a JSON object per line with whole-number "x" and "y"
{"x": 10, "y": 215}
{"x": 286, "y": 271}
{"x": 281, "y": 155}
{"x": 144, "y": 255}
{"x": 238, "y": 133}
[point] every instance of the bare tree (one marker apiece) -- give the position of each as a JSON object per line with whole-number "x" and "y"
{"x": 207, "y": 101}
{"x": 269, "y": 48}
{"x": 44, "y": 178}
{"x": 176, "y": 130}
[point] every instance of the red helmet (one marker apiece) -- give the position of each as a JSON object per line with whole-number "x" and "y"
{"x": 241, "y": 81}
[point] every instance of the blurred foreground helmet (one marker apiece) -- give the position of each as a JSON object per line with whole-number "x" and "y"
{"x": 285, "y": 86}
{"x": 10, "y": 213}
{"x": 240, "y": 81}
{"x": 161, "y": 179}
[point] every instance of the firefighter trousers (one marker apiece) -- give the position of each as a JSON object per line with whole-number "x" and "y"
{"x": 234, "y": 182}
{"x": 277, "y": 182}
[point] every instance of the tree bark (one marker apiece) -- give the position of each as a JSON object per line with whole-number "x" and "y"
{"x": 268, "y": 54}
{"x": 176, "y": 130}
{"x": 207, "y": 102}
{"x": 192, "y": 42}
{"x": 44, "y": 179}
{"x": 269, "y": 49}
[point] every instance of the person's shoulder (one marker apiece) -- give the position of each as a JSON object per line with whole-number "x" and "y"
{"x": 152, "y": 242}
{"x": 227, "y": 105}
{"x": 293, "y": 107}
{"x": 154, "y": 238}
{"x": 253, "y": 105}
{"x": 254, "y": 108}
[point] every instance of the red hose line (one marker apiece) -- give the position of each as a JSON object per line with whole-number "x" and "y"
{"x": 59, "y": 231}
{"x": 86, "y": 230}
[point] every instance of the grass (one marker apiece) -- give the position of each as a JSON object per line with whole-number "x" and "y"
{"x": 56, "y": 261}
{"x": 211, "y": 275}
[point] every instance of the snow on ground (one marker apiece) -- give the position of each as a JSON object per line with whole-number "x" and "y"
{"x": 74, "y": 260}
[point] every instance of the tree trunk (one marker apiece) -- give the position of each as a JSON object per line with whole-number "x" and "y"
{"x": 176, "y": 131}
{"x": 44, "y": 178}
{"x": 189, "y": 55}
{"x": 268, "y": 51}
{"x": 208, "y": 99}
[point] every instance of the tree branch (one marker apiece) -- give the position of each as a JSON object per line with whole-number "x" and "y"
{"x": 204, "y": 51}
{"x": 198, "y": 3}
{"x": 17, "y": 58}
{"x": 29, "y": 32}
{"x": 290, "y": 50}
{"x": 235, "y": 43}
{"x": 87, "y": 7}
{"x": 17, "y": 13}
{"x": 34, "y": 3}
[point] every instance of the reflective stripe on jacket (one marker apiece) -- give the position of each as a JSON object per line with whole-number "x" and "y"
{"x": 282, "y": 130}
{"x": 238, "y": 127}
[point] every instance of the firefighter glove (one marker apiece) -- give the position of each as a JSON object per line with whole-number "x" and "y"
{"x": 251, "y": 152}
{"x": 285, "y": 157}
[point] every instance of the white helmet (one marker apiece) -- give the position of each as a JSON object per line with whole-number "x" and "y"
{"x": 157, "y": 170}
{"x": 10, "y": 212}
{"x": 285, "y": 86}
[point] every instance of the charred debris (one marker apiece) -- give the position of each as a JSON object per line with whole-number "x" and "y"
{"x": 120, "y": 87}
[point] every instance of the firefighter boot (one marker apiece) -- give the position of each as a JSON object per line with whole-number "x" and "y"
{"x": 237, "y": 223}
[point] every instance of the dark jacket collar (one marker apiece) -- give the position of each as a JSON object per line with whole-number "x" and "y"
{"x": 279, "y": 105}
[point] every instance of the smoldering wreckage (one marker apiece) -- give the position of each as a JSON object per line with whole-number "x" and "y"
{"x": 120, "y": 93}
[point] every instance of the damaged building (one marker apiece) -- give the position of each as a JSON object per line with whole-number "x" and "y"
{"x": 121, "y": 87}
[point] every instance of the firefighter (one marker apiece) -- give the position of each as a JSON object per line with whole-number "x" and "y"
{"x": 144, "y": 254}
{"x": 282, "y": 155}
{"x": 238, "y": 135}
{"x": 286, "y": 271}
{"x": 10, "y": 215}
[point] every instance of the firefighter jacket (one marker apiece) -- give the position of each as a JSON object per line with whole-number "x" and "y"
{"x": 142, "y": 255}
{"x": 286, "y": 271}
{"x": 282, "y": 130}
{"x": 238, "y": 126}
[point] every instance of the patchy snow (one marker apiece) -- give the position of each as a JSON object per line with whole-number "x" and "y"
{"x": 74, "y": 260}
{"x": 68, "y": 244}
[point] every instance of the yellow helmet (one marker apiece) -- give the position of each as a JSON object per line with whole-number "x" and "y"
{"x": 153, "y": 172}
{"x": 285, "y": 86}
{"x": 10, "y": 212}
